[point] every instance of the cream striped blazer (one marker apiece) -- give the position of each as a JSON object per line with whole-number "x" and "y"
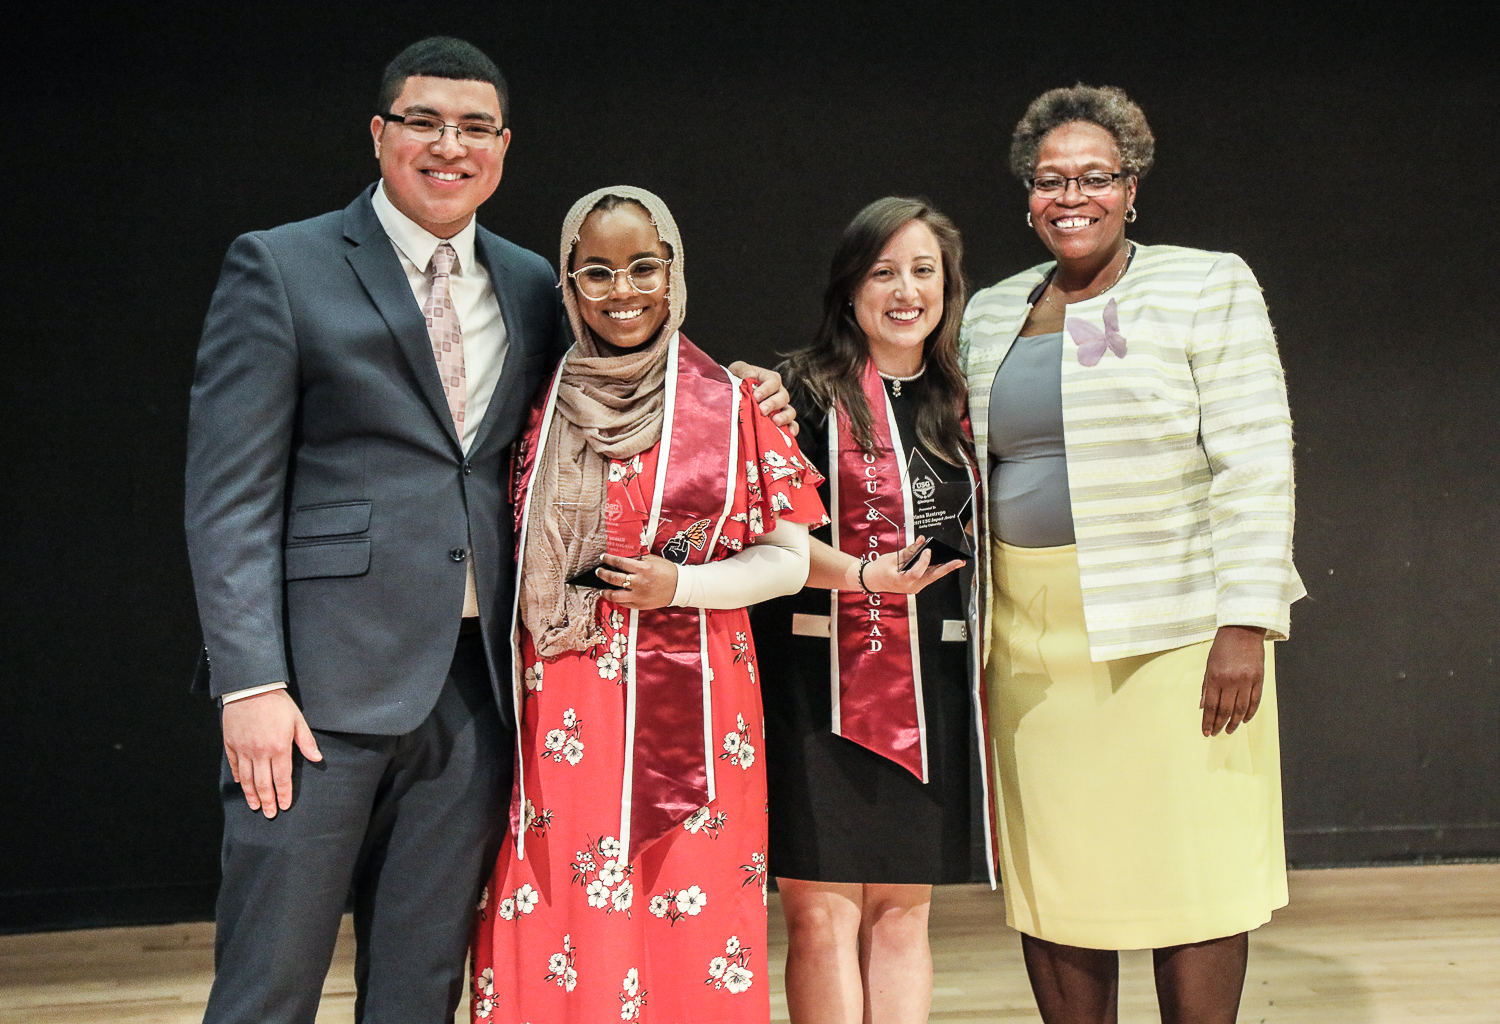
{"x": 1179, "y": 454}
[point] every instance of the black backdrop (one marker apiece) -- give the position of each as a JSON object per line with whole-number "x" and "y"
{"x": 1350, "y": 161}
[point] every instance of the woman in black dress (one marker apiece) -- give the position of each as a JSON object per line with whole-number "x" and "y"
{"x": 868, "y": 691}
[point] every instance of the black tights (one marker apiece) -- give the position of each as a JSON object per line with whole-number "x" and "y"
{"x": 1199, "y": 983}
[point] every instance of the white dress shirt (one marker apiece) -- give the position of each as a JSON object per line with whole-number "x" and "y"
{"x": 478, "y": 311}
{"x": 473, "y": 295}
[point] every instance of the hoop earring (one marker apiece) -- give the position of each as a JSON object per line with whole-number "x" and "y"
{"x": 1131, "y": 216}
{"x": 1028, "y": 220}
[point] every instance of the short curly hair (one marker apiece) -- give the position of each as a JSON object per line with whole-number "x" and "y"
{"x": 1107, "y": 106}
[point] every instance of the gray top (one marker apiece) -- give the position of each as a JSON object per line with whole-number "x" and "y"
{"x": 1029, "y": 502}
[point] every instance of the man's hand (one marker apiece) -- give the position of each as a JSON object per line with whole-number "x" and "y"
{"x": 258, "y": 735}
{"x": 770, "y": 393}
{"x": 1232, "y": 682}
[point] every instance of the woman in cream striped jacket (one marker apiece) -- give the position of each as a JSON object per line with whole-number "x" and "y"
{"x": 1139, "y": 492}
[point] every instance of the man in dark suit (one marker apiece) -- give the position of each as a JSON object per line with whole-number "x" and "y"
{"x": 360, "y": 379}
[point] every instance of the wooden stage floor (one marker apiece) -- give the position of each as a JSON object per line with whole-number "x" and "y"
{"x": 1356, "y": 946}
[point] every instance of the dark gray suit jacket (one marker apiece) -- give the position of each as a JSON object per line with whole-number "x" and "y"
{"x": 330, "y": 508}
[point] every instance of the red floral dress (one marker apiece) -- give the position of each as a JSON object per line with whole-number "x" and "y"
{"x": 575, "y": 932}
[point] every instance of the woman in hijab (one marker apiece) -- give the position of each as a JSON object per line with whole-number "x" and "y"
{"x": 654, "y": 501}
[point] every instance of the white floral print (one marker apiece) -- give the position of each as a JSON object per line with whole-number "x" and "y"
{"x": 691, "y": 901}
{"x": 561, "y": 967}
{"x": 705, "y": 820}
{"x": 779, "y": 468}
{"x": 609, "y": 648}
{"x": 609, "y": 665}
{"x": 732, "y": 970}
{"x": 675, "y": 904}
{"x": 609, "y": 889}
{"x": 564, "y": 744}
{"x": 625, "y": 469}
{"x": 533, "y": 677}
{"x": 632, "y": 996}
{"x": 737, "y": 747}
{"x": 755, "y": 872}
{"x": 598, "y": 894}
{"x": 744, "y": 654}
{"x": 519, "y": 903}
{"x": 483, "y": 1002}
{"x": 538, "y": 822}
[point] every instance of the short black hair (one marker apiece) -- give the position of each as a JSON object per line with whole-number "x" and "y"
{"x": 442, "y": 57}
{"x": 1106, "y": 106}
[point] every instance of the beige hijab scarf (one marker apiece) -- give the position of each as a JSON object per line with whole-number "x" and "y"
{"x": 608, "y": 407}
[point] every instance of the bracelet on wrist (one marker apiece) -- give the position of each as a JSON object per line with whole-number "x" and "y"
{"x": 862, "y": 586}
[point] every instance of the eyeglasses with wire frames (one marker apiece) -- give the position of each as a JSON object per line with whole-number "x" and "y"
{"x": 430, "y": 129}
{"x": 645, "y": 275}
{"x": 1090, "y": 183}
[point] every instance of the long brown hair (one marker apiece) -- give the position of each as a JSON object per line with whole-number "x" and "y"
{"x": 832, "y": 367}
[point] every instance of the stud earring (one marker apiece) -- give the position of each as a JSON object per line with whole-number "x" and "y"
{"x": 1131, "y": 215}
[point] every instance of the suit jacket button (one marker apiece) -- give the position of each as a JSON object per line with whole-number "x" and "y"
{"x": 458, "y": 554}
{"x": 467, "y": 468}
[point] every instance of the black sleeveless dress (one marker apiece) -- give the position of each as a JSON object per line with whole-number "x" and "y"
{"x": 838, "y": 812}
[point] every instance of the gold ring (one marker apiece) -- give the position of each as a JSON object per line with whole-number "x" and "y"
{"x": 628, "y": 578}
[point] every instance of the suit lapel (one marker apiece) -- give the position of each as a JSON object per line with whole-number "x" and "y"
{"x": 375, "y": 262}
{"x": 516, "y": 338}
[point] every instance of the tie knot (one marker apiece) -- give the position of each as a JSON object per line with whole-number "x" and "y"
{"x": 443, "y": 258}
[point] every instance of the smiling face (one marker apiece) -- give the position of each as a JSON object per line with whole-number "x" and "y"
{"x": 900, "y": 300}
{"x": 615, "y": 239}
{"x": 1076, "y": 227}
{"x": 440, "y": 184}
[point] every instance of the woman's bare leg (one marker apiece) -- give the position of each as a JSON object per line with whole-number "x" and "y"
{"x": 1073, "y": 985}
{"x": 895, "y": 958}
{"x": 822, "y": 958}
{"x": 1201, "y": 983}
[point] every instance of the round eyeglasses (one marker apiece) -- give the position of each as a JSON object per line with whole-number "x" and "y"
{"x": 430, "y": 129}
{"x": 645, "y": 275}
{"x": 1092, "y": 183}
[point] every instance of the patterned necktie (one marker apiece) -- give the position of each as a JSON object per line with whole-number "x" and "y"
{"x": 447, "y": 337}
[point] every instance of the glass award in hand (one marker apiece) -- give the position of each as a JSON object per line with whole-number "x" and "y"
{"x": 941, "y": 511}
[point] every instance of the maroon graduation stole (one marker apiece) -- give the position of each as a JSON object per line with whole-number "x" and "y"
{"x": 669, "y": 769}
{"x": 876, "y": 672}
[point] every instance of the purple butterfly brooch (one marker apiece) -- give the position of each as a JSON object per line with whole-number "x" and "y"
{"x": 1092, "y": 341}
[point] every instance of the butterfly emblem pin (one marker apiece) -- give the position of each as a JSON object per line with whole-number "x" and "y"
{"x": 694, "y": 538}
{"x": 1092, "y": 341}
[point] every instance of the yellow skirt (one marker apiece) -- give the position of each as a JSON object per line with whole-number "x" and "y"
{"x": 1122, "y": 826}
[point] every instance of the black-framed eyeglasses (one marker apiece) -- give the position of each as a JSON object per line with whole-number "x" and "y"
{"x": 1090, "y": 183}
{"x": 430, "y": 129}
{"x": 645, "y": 275}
